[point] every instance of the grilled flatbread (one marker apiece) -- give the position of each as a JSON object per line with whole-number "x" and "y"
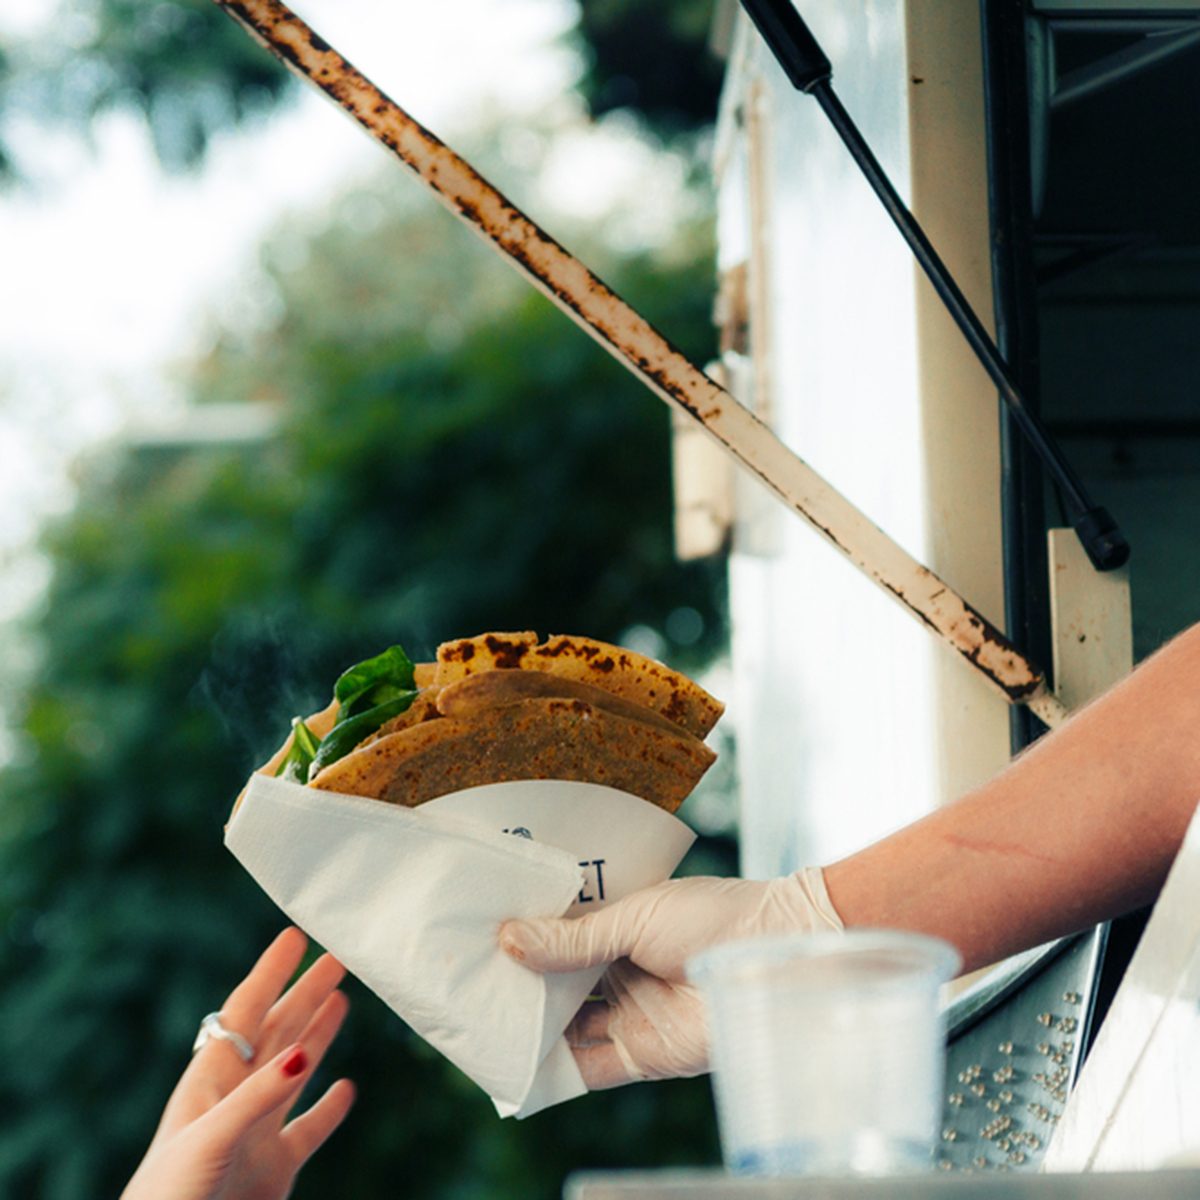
{"x": 542, "y": 738}
{"x": 613, "y": 669}
{"x": 493, "y": 689}
{"x": 504, "y": 706}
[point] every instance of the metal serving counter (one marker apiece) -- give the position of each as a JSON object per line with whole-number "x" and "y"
{"x": 712, "y": 1185}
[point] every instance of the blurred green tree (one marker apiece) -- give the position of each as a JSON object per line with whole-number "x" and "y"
{"x": 444, "y": 453}
{"x": 183, "y": 64}
{"x": 191, "y": 71}
{"x": 652, "y": 60}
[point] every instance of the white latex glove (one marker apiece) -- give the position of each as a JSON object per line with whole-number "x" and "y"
{"x": 650, "y": 1023}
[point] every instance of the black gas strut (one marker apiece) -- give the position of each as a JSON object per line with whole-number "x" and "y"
{"x": 809, "y": 69}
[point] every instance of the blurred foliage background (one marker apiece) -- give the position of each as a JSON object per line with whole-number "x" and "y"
{"x": 434, "y": 451}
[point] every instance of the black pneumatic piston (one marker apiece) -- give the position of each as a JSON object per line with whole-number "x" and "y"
{"x": 791, "y": 42}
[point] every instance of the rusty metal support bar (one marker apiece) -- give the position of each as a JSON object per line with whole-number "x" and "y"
{"x": 637, "y": 344}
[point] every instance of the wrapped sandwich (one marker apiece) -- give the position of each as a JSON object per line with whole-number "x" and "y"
{"x": 544, "y": 773}
{"x": 503, "y": 707}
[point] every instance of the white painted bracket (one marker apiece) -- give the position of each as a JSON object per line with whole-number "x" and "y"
{"x": 702, "y": 475}
{"x": 1090, "y": 620}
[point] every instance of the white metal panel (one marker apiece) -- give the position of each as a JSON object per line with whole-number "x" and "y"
{"x": 808, "y": 637}
{"x": 846, "y": 728}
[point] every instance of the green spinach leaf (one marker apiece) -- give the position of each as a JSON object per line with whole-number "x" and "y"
{"x": 299, "y": 757}
{"x": 348, "y": 732}
{"x": 374, "y": 681}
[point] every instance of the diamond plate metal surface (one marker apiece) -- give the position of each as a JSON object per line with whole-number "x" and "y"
{"x": 1016, "y": 1041}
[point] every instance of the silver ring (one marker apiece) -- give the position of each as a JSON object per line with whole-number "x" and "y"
{"x": 211, "y": 1027}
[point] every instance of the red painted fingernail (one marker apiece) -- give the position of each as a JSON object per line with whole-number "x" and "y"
{"x": 295, "y": 1062}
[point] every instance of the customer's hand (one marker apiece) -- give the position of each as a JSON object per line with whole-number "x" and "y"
{"x": 222, "y": 1135}
{"x": 650, "y": 1023}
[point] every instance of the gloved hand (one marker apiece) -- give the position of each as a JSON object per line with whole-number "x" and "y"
{"x": 650, "y": 1023}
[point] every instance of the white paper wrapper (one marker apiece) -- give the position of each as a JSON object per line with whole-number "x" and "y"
{"x": 410, "y": 901}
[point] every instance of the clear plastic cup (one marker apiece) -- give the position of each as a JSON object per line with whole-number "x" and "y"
{"x": 828, "y": 1050}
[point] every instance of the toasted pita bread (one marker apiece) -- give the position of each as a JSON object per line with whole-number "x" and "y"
{"x": 613, "y": 669}
{"x": 541, "y": 738}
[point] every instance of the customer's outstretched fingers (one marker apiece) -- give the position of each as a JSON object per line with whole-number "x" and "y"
{"x": 305, "y": 1135}
{"x": 275, "y": 1084}
{"x": 291, "y": 1014}
{"x": 323, "y": 1027}
{"x": 250, "y": 1001}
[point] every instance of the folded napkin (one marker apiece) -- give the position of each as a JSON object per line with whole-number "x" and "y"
{"x": 410, "y": 901}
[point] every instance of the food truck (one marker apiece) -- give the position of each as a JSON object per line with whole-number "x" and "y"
{"x": 1047, "y": 148}
{"x": 997, "y": 201}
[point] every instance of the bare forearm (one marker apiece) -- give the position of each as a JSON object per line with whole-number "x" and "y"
{"x": 1081, "y": 827}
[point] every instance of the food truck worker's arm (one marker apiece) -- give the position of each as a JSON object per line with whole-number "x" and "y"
{"x": 1080, "y": 828}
